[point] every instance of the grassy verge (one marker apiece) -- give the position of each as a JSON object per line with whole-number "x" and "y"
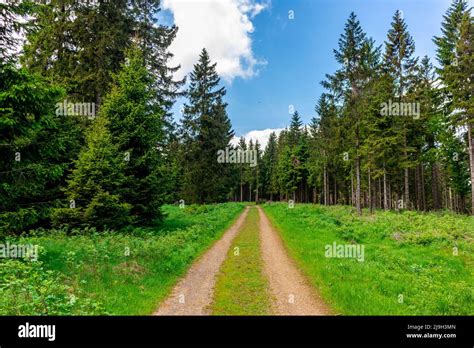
{"x": 117, "y": 273}
{"x": 241, "y": 287}
{"x": 414, "y": 263}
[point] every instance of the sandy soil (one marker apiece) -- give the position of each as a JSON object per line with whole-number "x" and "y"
{"x": 292, "y": 295}
{"x": 193, "y": 294}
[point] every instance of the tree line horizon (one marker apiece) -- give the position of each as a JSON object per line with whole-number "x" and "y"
{"x": 119, "y": 168}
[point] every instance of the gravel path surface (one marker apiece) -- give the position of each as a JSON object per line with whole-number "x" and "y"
{"x": 292, "y": 294}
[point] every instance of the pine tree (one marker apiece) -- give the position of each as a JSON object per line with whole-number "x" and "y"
{"x": 95, "y": 183}
{"x": 356, "y": 55}
{"x": 314, "y": 160}
{"x": 207, "y": 130}
{"x": 98, "y": 35}
{"x": 297, "y": 149}
{"x": 136, "y": 126}
{"x": 302, "y": 155}
{"x": 12, "y": 22}
{"x": 269, "y": 163}
{"x": 36, "y": 148}
{"x": 458, "y": 78}
{"x": 379, "y": 136}
{"x": 326, "y": 119}
{"x": 447, "y": 56}
{"x": 400, "y": 63}
{"x": 425, "y": 132}
{"x": 255, "y": 170}
{"x": 118, "y": 178}
{"x": 242, "y": 168}
{"x": 294, "y": 132}
{"x": 450, "y": 29}
{"x": 278, "y": 180}
{"x": 250, "y": 174}
{"x": 286, "y": 173}
{"x": 154, "y": 39}
{"x": 326, "y": 152}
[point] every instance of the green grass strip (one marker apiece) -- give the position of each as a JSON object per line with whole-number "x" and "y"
{"x": 241, "y": 287}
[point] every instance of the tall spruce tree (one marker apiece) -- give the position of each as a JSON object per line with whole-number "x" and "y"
{"x": 13, "y": 21}
{"x": 137, "y": 127}
{"x": 95, "y": 184}
{"x": 36, "y": 147}
{"x": 250, "y": 174}
{"x": 459, "y": 78}
{"x": 325, "y": 134}
{"x": 314, "y": 160}
{"x": 121, "y": 168}
{"x": 269, "y": 163}
{"x": 154, "y": 40}
{"x": 256, "y": 170}
{"x": 400, "y": 63}
{"x": 207, "y": 130}
{"x": 97, "y": 36}
{"x": 294, "y": 132}
{"x": 450, "y": 29}
{"x": 356, "y": 55}
{"x": 242, "y": 146}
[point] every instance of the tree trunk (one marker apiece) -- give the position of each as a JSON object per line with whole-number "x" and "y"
{"x": 358, "y": 205}
{"x": 418, "y": 187}
{"x": 241, "y": 192}
{"x": 471, "y": 161}
{"x": 325, "y": 183}
{"x": 352, "y": 189}
{"x": 423, "y": 193}
{"x": 406, "y": 203}
{"x": 434, "y": 186}
{"x": 370, "y": 193}
{"x": 385, "y": 192}
{"x": 379, "y": 195}
{"x": 389, "y": 196}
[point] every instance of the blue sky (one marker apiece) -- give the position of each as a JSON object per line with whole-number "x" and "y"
{"x": 295, "y": 54}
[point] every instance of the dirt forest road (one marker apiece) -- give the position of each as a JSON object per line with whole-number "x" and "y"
{"x": 290, "y": 289}
{"x": 193, "y": 294}
{"x": 291, "y": 293}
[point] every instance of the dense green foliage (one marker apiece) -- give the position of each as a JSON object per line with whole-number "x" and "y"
{"x": 414, "y": 263}
{"x": 98, "y": 35}
{"x": 118, "y": 176}
{"x": 118, "y": 171}
{"x": 36, "y": 148}
{"x": 128, "y": 273}
{"x": 12, "y": 20}
{"x": 206, "y": 129}
{"x": 391, "y": 132}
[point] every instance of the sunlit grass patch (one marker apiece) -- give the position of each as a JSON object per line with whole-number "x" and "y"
{"x": 414, "y": 263}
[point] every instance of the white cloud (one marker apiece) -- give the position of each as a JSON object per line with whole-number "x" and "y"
{"x": 223, "y": 27}
{"x": 260, "y": 135}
